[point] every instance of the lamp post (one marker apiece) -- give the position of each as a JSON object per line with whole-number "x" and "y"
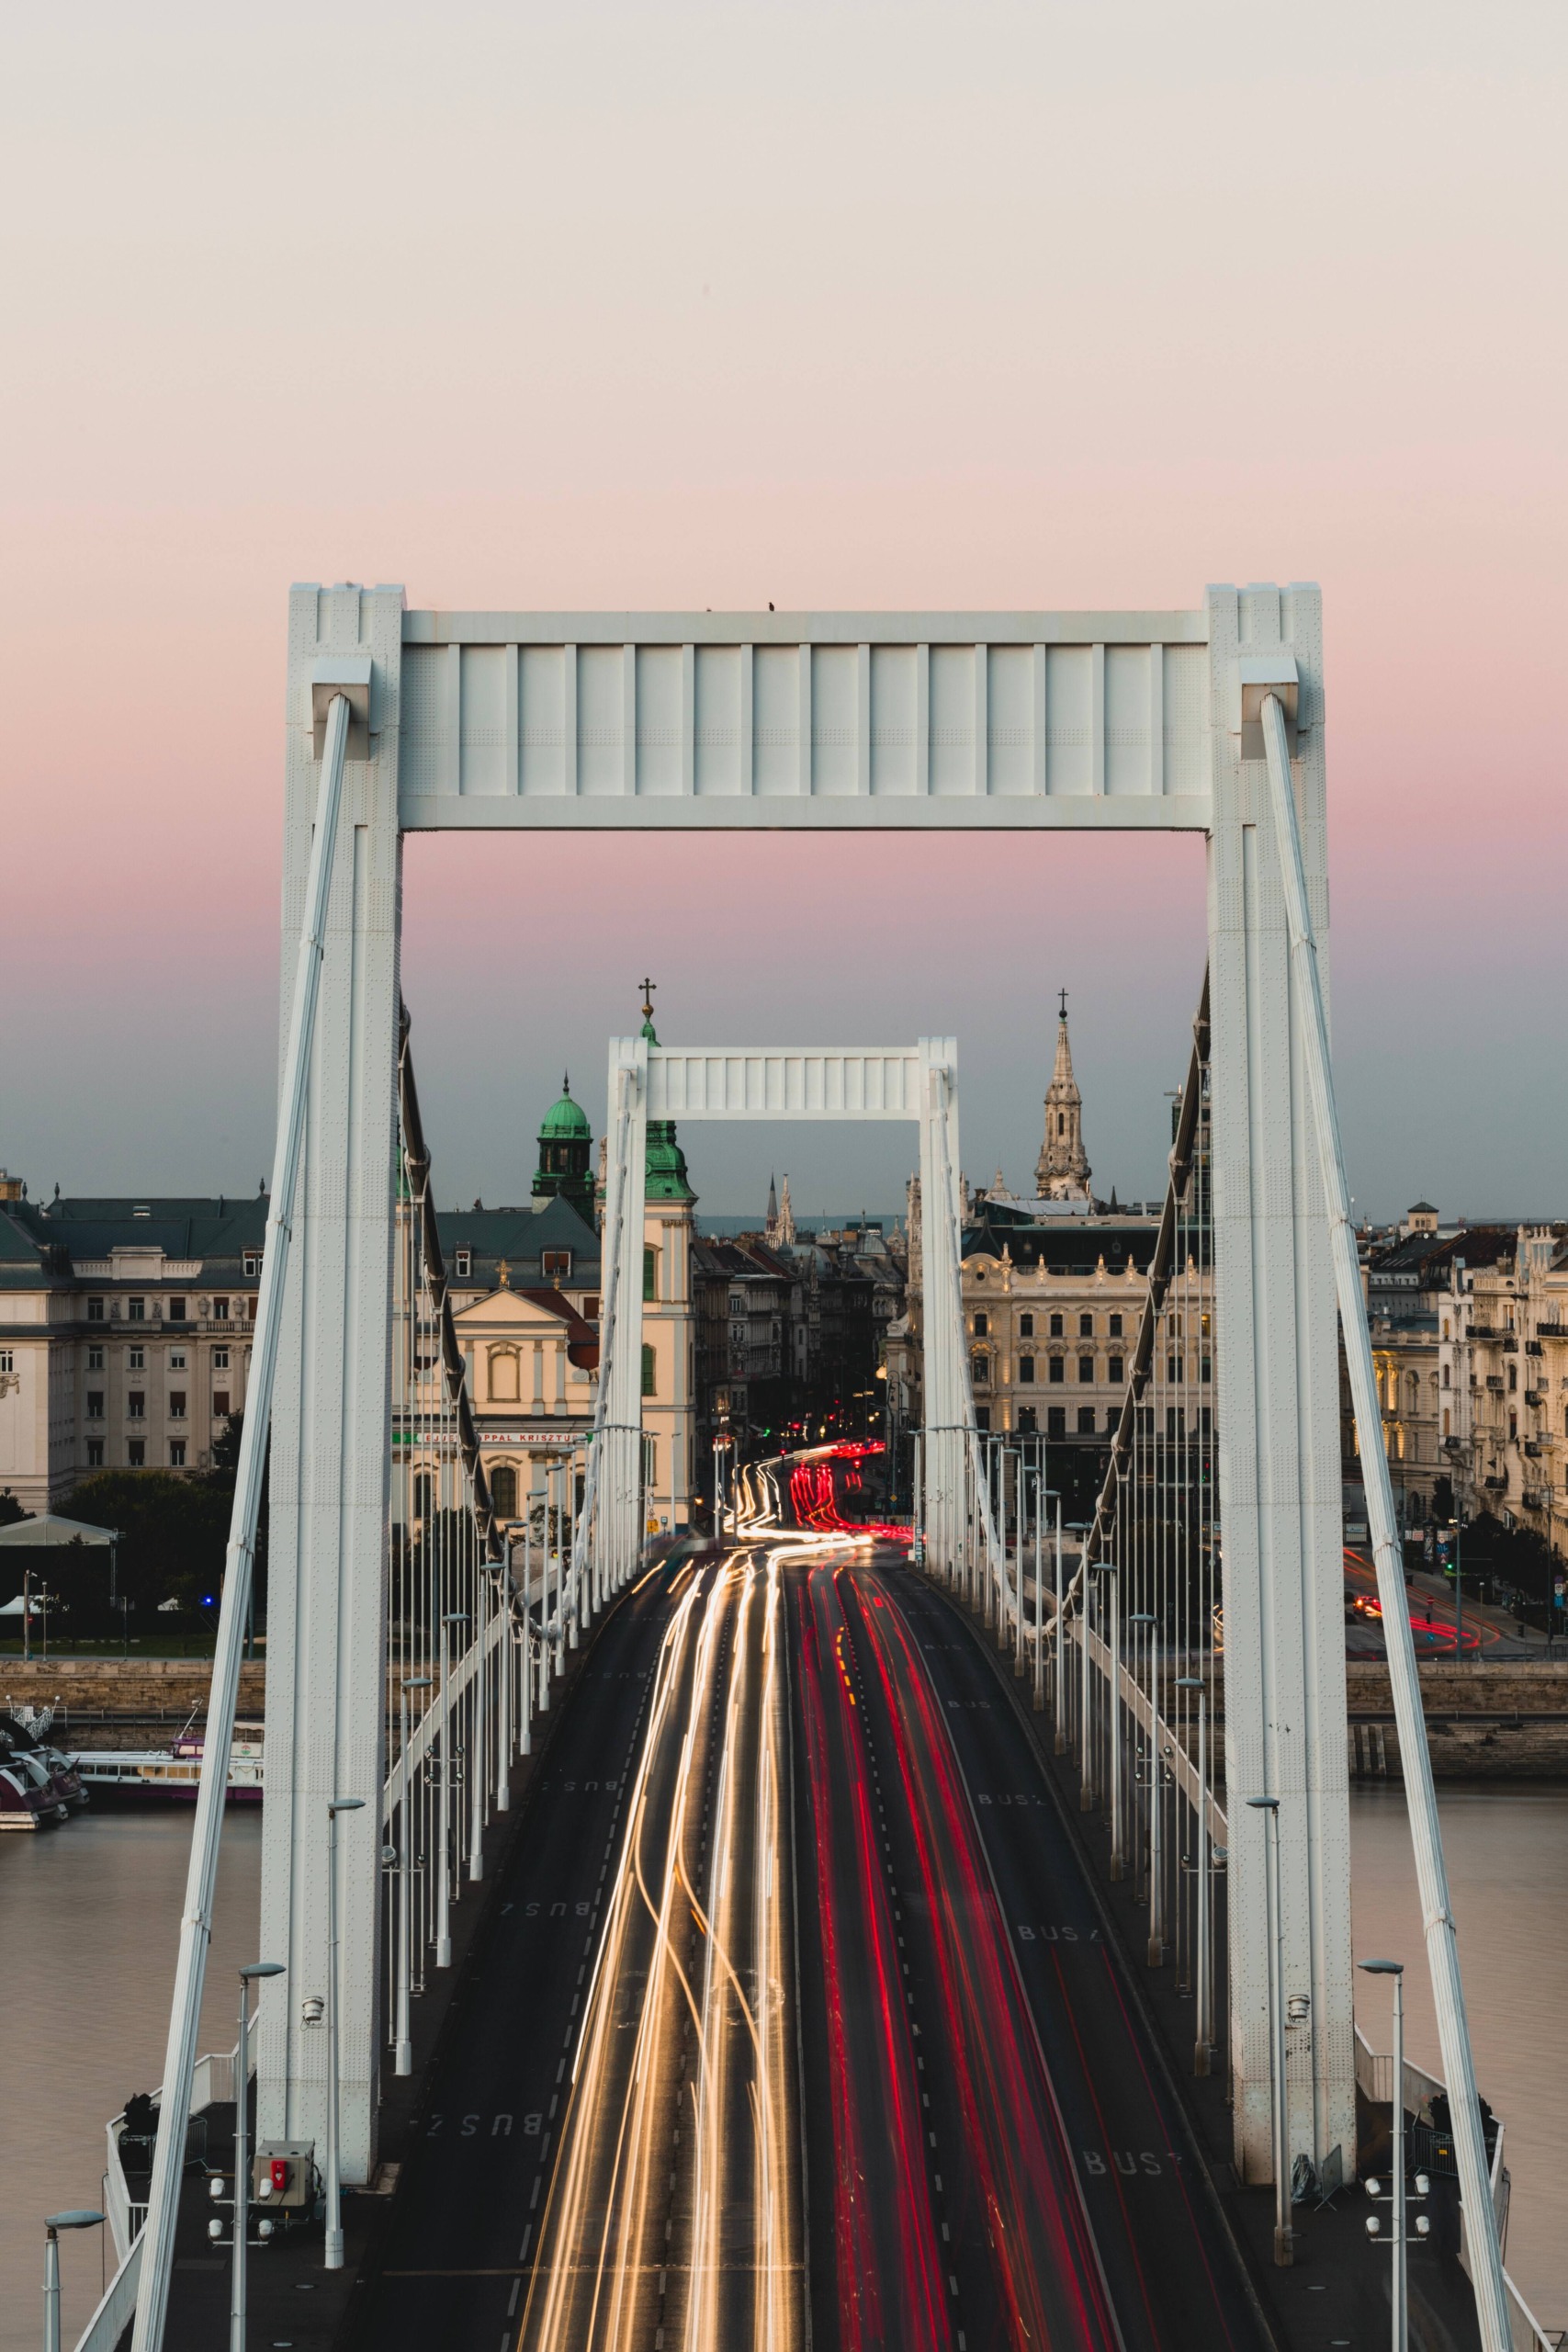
{"x": 1204, "y": 2042}
{"x": 403, "y": 2061}
{"x": 1144, "y": 1622}
{"x": 1399, "y": 2337}
{"x": 77, "y": 2218}
{"x": 445, "y": 1786}
{"x": 252, "y": 1975}
{"x": 1284, "y": 2254}
{"x": 335, "y": 2183}
{"x": 1110, "y": 1589}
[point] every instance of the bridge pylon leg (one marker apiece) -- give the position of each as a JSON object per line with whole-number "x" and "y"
{"x": 331, "y": 1434}
{"x": 1277, "y": 1408}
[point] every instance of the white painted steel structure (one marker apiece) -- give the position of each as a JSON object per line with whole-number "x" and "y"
{"x": 649, "y": 1081}
{"x": 1130, "y": 721}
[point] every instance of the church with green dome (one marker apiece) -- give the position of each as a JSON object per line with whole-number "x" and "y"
{"x": 566, "y": 1152}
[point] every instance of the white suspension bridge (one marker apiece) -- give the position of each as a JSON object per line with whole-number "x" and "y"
{"x": 413, "y": 1646}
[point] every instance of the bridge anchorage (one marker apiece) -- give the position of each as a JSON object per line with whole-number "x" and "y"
{"x": 412, "y": 1643}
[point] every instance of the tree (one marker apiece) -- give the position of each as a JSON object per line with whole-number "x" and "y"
{"x": 11, "y": 1510}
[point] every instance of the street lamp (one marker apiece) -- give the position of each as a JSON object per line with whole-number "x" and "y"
{"x": 1147, "y": 1621}
{"x": 252, "y": 1975}
{"x": 1204, "y": 2043}
{"x": 445, "y": 1786}
{"x": 1283, "y": 2248}
{"x": 403, "y": 2061}
{"x": 77, "y": 2218}
{"x": 1399, "y": 2240}
{"x": 334, "y": 2184}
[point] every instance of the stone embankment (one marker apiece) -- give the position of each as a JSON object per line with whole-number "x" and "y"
{"x": 1506, "y": 1721}
{"x": 116, "y": 1703}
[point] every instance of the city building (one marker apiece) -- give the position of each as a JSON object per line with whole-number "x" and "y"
{"x": 1407, "y": 1278}
{"x": 1502, "y": 1374}
{"x": 125, "y": 1334}
{"x": 1052, "y": 1293}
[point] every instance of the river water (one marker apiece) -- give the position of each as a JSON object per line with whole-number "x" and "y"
{"x": 88, "y": 1919}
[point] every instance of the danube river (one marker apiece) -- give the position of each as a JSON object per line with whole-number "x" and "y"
{"x": 90, "y": 1915}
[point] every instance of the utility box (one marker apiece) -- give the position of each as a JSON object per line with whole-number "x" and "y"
{"x": 282, "y": 2173}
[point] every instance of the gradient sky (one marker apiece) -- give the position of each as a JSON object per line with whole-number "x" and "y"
{"x": 1043, "y": 305}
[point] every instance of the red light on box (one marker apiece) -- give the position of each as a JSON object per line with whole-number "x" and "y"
{"x": 279, "y": 2174}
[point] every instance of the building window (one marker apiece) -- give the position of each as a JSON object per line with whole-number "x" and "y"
{"x": 1058, "y": 1371}
{"x": 177, "y": 1453}
{"x": 176, "y": 1310}
{"x": 1057, "y": 1422}
{"x": 8, "y": 1361}
{"x": 503, "y": 1490}
{"x": 251, "y": 1309}
{"x": 1445, "y": 1431}
{"x": 95, "y": 1359}
{"x": 980, "y": 1369}
{"x": 1173, "y": 1367}
{"x": 1116, "y": 1371}
{"x": 590, "y": 1308}
{"x": 221, "y": 1310}
{"x": 1114, "y": 1327}
{"x": 1513, "y": 1378}
{"x": 251, "y": 1259}
{"x": 176, "y": 1358}
{"x": 558, "y": 1265}
{"x": 463, "y": 1264}
{"x": 982, "y": 1326}
{"x": 1026, "y": 1372}
{"x": 504, "y": 1375}
{"x": 982, "y": 1416}
{"x": 136, "y": 1310}
{"x": 177, "y": 1404}
{"x": 1085, "y": 1327}
{"x": 94, "y": 1453}
{"x": 1447, "y": 1382}
{"x": 220, "y": 1359}
{"x": 1086, "y": 1420}
{"x": 1026, "y": 1421}
{"x": 1085, "y": 1368}
{"x": 136, "y": 1406}
{"x": 1057, "y": 1327}
{"x": 136, "y": 1359}
{"x": 737, "y": 1304}
{"x": 221, "y": 1404}
{"x": 424, "y": 1499}
{"x": 95, "y": 1310}
{"x": 650, "y": 1272}
{"x": 136, "y": 1454}
{"x": 1026, "y": 1327}
{"x": 650, "y": 1372}
{"x": 1205, "y": 1367}
{"x": 95, "y": 1404}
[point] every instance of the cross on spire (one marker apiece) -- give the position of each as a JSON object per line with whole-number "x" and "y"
{"x": 647, "y": 988}
{"x": 1063, "y": 1006}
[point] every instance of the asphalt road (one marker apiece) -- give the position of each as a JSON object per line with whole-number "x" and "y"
{"x": 793, "y": 1993}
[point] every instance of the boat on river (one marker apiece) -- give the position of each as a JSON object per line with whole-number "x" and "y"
{"x": 175, "y": 1770}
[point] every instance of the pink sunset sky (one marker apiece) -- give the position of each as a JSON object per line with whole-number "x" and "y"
{"x": 1050, "y": 305}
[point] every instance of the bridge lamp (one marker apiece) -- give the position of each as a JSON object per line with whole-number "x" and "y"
{"x": 335, "y": 2185}
{"x": 1398, "y": 2234}
{"x": 254, "y": 1973}
{"x": 78, "y": 2218}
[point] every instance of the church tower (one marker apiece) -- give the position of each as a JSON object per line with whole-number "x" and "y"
{"x": 566, "y": 1148}
{"x": 1062, "y": 1171}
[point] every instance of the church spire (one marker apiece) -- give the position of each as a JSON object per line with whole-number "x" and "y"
{"x": 1062, "y": 1171}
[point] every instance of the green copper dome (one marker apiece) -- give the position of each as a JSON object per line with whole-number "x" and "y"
{"x": 566, "y": 1147}
{"x": 567, "y": 1122}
